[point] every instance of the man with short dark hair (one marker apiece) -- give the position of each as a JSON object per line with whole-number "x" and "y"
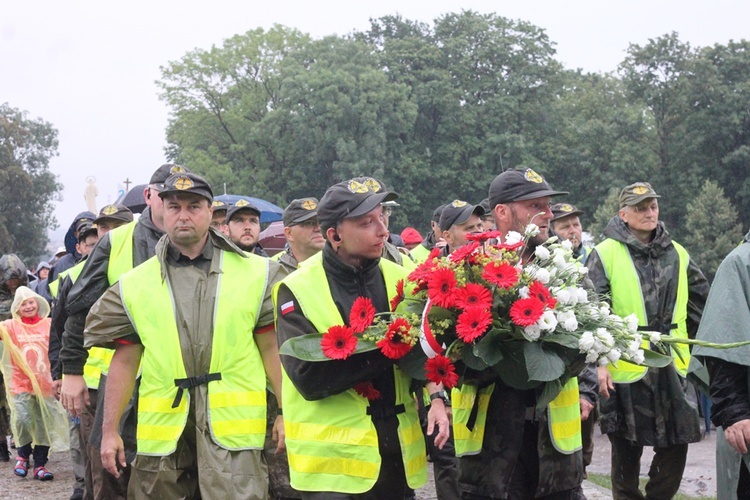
{"x": 644, "y": 272}
{"x": 341, "y": 444}
{"x": 566, "y": 224}
{"x": 111, "y": 217}
{"x": 197, "y": 321}
{"x": 302, "y": 232}
{"x": 434, "y": 238}
{"x": 220, "y": 214}
{"x": 458, "y": 220}
{"x": 242, "y": 227}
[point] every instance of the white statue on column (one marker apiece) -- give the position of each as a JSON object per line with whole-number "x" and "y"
{"x": 90, "y": 194}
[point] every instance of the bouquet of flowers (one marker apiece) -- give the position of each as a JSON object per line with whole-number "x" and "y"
{"x": 531, "y": 323}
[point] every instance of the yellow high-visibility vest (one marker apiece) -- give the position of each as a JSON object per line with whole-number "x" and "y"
{"x": 331, "y": 443}
{"x": 236, "y": 401}
{"x": 627, "y": 298}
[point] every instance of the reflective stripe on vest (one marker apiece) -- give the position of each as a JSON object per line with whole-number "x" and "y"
{"x": 121, "y": 251}
{"x": 627, "y": 298}
{"x": 563, "y": 415}
{"x": 469, "y": 442}
{"x": 237, "y": 402}
{"x": 332, "y": 443}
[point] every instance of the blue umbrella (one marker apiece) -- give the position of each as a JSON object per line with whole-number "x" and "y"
{"x": 268, "y": 211}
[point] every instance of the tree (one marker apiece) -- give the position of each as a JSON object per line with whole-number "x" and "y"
{"x": 713, "y": 230}
{"x": 26, "y": 184}
{"x": 604, "y": 213}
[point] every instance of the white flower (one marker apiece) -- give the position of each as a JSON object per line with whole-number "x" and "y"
{"x": 541, "y": 275}
{"x": 592, "y": 311}
{"x": 548, "y": 321}
{"x": 638, "y": 358}
{"x": 606, "y": 337}
{"x": 592, "y": 356}
{"x": 632, "y": 323}
{"x": 586, "y": 341}
{"x": 570, "y": 323}
{"x": 604, "y": 309}
{"x": 567, "y": 245}
{"x": 655, "y": 337}
{"x": 542, "y": 253}
{"x": 559, "y": 259}
{"x": 523, "y": 292}
{"x": 615, "y": 320}
{"x": 582, "y": 296}
{"x": 532, "y": 331}
{"x": 603, "y": 361}
{"x": 563, "y": 296}
{"x": 513, "y": 237}
{"x": 614, "y": 355}
{"x": 583, "y": 270}
{"x": 633, "y": 347}
{"x": 531, "y": 230}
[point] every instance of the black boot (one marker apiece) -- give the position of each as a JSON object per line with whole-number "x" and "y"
{"x": 4, "y": 453}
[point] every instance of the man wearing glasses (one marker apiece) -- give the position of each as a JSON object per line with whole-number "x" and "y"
{"x": 302, "y": 232}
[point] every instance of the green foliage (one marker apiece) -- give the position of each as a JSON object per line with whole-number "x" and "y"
{"x": 26, "y": 185}
{"x": 604, "y": 213}
{"x": 713, "y": 230}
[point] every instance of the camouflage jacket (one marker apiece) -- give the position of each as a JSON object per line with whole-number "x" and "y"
{"x": 655, "y": 410}
{"x": 10, "y": 267}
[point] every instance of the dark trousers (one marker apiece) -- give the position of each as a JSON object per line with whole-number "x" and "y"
{"x": 40, "y": 453}
{"x": 664, "y": 476}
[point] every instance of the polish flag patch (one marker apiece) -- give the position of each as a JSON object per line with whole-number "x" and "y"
{"x": 288, "y": 307}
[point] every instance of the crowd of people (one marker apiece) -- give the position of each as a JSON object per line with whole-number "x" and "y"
{"x": 159, "y": 336}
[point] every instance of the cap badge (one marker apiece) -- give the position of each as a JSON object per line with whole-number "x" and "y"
{"x": 109, "y": 210}
{"x": 639, "y": 190}
{"x": 458, "y": 204}
{"x": 183, "y": 183}
{"x": 373, "y": 184}
{"x": 566, "y": 208}
{"x": 176, "y": 169}
{"x": 532, "y": 176}
{"x": 218, "y": 203}
{"x": 309, "y": 205}
{"x": 241, "y": 203}
{"x": 357, "y": 187}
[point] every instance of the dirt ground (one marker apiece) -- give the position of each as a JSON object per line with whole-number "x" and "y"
{"x": 699, "y": 478}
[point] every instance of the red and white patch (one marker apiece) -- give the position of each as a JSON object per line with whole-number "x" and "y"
{"x": 287, "y": 308}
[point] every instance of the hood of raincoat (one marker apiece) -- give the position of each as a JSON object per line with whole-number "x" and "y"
{"x": 23, "y": 293}
{"x": 70, "y": 237}
{"x": 618, "y": 230}
{"x": 12, "y": 267}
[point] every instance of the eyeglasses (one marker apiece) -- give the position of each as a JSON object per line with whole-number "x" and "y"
{"x": 310, "y": 223}
{"x": 387, "y": 211}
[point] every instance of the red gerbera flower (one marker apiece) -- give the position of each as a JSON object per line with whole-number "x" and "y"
{"x": 472, "y": 323}
{"x": 487, "y": 235}
{"x": 396, "y": 300}
{"x": 442, "y": 287}
{"x": 542, "y": 293}
{"x": 440, "y": 370}
{"x": 512, "y": 247}
{"x": 473, "y": 295}
{"x": 338, "y": 342}
{"x": 526, "y": 312}
{"x": 463, "y": 252}
{"x": 362, "y": 314}
{"x": 367, "y": 390}
{"x": 393, "y": 345}
{"x": 501, "y": 274}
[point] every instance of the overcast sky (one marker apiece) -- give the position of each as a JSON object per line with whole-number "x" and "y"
{"x": 88, "y": 67}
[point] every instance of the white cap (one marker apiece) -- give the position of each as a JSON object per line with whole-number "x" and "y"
{"x": 61, "y": 250}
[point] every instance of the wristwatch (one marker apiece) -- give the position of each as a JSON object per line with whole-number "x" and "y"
{"x": 440, "y": 395}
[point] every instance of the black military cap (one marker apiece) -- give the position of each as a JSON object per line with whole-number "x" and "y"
{"x": 349, "y": 199}
{"x": 458, "y": 212}
{"x": 635, "y": 193}
{"x": 436, "y": 214}
{"x": 299, "y": 211}
{"x": 85, "y": 230}
{"x": 162, "y": 173}
{"x": 377, "y": 186}
{"x": 561, "y": 210}
{"x": 186, "y": 182}
{"x": 519, "y": 185}
{"x": 239, "y": 206}
{"x": 81, "y": 223}
{"x": 219, "y": 206}
{"x": 115, "y": 212}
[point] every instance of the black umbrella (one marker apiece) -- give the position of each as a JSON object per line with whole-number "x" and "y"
{"x": 134, "y": 199}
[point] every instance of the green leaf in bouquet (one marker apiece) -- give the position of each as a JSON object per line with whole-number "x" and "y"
{"x": 569, "y": 340}
{"x": 414, "y": 306}
{"x": 413, "y": 362}
{"x": 655, "y": 360}
{"x": 307, "y": 347}
{"x": 470, "y": 358}
{"x": 439, "y": 314}
{"x": 512, "y": 369}
{"x": 542, "y": 364}
{"x": 549, "y": 393}
{"x": 490, "y": 347}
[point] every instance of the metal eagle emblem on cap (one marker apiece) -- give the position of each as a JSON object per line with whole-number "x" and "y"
{"x": 176, "y": 169}
{"x": 183, "y": 183}
{"x": 532, "y": 176}
{"x": 640, "y": 190}
{"x": 218, "y": 203}
{"x": 109, "y": 210}
{"x": 241, "y": 203}
{"x": 309, "y": 205}
{"x": 373, "y": 184}
{"x": 357, "y": 187}
{"x": 566, "y": 208}
{"x": 458, "y": 204}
